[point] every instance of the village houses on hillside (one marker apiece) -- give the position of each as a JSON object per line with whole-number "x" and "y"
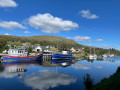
{"x": 35, "y": 48}
{"x": 40, "y": 48}
{"x": 73, "y": 50}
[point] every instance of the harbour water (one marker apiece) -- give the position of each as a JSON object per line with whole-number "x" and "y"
{"x": 44, "y": 75}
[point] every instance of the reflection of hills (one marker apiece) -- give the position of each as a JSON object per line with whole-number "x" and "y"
{"x": 49, "y": 79}
{"x": 48, "y": 64}
{"x": 106, "y": 60}
{"x": 111, "y": 83}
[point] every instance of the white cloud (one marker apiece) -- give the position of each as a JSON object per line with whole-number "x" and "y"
{"x": 51, "y": 24}
{"x": 88, "y": 15}
{"x": 98, "y": 66}
{"x": 27, "y": 32}
{"x": 69, "y": 37}
{"x": 10, "y": 25}
{"x": 82, "y": 38}
{"x": 7, "y": 74}
{"x": 99, "y": 40}
{"x": 81, "y": 66}
{"x": 8, "y": 3}
{"x": 46, "y": 80}
{"x": 106, "y": 46}
{"x": 6, "y": 34}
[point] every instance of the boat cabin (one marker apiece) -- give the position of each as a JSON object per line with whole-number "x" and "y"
{"x": 66, "y": 52}
{"x": 18, "y": 52}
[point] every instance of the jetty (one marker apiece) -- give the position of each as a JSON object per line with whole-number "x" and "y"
{"x": 47, "y": 57}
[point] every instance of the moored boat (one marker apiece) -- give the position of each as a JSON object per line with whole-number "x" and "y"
{"x": 13, "y": 58}
{"x": 65, "y": 55}
{"x": 91, "y": 57}
{"x": 20, "y": 54}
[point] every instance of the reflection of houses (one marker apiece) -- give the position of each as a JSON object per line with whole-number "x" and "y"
{"x": 77, "y": 49}
{"x": 14, "y": 70}
{"x": 17, "y": 68}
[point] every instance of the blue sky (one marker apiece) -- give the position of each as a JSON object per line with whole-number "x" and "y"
{"x": 89, "y": 22}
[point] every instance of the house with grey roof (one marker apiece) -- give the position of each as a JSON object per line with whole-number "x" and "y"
{"x": 50, "y": 46}
{"x": 36, "y": 48}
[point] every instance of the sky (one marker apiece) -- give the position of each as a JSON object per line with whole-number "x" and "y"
{"x": 88, "y": 22}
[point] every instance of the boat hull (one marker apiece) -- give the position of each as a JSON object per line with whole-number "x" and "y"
{"x": 62, "y": 56}
{"x": 29, "y": 58}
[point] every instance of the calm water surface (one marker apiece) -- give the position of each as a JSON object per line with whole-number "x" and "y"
{"x": 44, "y": 75}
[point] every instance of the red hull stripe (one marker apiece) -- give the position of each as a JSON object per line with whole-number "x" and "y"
{"x": 20, "y": 57}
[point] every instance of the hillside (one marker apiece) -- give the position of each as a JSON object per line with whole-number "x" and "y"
{"x": 42, "y": 40}
{"x": 60, "y": 42}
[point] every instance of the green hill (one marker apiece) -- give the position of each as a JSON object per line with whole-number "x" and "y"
{"x": 42, "y": 40}
{"x": 59, "y": 42}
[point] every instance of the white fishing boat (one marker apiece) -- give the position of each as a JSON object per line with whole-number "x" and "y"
{"x": 94, "y": 56}
{"x": 105, "y": 55}
{"x": 91, "y": 57}
{"x": 21, "y": 54}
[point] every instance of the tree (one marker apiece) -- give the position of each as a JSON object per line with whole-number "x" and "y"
{"x": 3, "y": 42}
{"x": 29, "y": 50}
{"x": 6, "y": 47}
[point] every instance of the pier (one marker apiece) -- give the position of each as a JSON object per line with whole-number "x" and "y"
{"x": 47, "y": 57}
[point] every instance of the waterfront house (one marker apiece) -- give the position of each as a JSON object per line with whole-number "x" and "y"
{"x": 50, "y": 46}
{"x": 73, "y": 49}
{"x": 38, "y": 48}
{"x": 77, "y": 49}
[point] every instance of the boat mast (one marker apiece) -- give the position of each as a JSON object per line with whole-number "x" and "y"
{"x": 94, "y": 50}
{"x": 90, "y": 50}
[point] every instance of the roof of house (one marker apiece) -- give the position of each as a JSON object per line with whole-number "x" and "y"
{"x": 35, "y": 46}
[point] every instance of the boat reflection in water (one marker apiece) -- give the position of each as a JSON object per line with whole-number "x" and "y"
{"x": 17, "y": 68}
{"x": 42, "y": 79}
{"x": 55, "y": 74}
{"x": 62, "y": 62}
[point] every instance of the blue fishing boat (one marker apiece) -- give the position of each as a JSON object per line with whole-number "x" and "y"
{"x": 20, "y": 54}
{"x": 66, "y": 55}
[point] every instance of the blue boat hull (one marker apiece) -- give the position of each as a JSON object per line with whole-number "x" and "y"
{"x": 57, "y": 61}
{"x": 62, "y": 56}
{"x": 11, "y": 58}
{"x": 7, "y": 64}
